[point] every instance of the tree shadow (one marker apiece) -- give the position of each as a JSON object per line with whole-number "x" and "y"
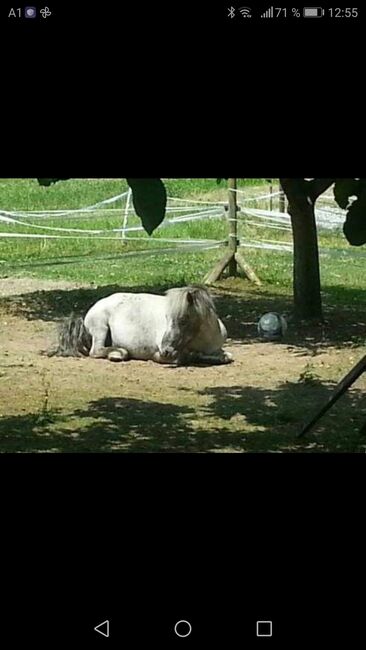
{"x": 277, "y": 416}
{"x": 344, "y": 323}
{"x": 114, "y": 425}
{"x": 238, "y": 419}
{"x": 239, "y": 307}
{"x": 54, "y": 304}
{"x": 106, "y": 425}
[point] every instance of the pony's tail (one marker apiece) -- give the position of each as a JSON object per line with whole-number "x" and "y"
{"x": 73, "y": 339}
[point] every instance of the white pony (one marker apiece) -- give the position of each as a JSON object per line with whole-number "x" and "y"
{"x": 181, "y": 327}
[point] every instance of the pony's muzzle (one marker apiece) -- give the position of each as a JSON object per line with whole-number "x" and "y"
{"x": 171, "y": 343}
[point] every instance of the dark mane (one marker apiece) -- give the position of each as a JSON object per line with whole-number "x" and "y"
{"x": 182, "y": 299}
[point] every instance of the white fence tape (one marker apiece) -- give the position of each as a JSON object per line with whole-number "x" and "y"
{"x": 128, "y": 203}
{"x": 174, "y": 198}
{"x": 326, "y": 217}
{"x": 216, "y": 242}
{"x": 256, "y": 198}
{"x": 61, "y": 213}
{"x": 344, "y": 254}
{"x": 33, "y": 236}
{"x": 9, "y": 218}
{"x": 268, "y": 225}
{"x": 177, "y": 240}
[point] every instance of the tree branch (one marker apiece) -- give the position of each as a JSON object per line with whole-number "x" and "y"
{"x": 298, "y": 189}
{"x": 318, "y": 186}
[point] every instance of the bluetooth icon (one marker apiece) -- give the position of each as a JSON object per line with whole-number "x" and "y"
{"x": 231, "y": 12}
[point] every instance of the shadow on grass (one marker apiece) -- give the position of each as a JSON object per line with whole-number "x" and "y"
{"x": 111, "y": 424}
{"x": 279, "y": 414}
{"x": 344, "y": 317}
{"x": 239, "y": 304}
{"x": 59, "y": 303}
{"x": 236, "y": 420}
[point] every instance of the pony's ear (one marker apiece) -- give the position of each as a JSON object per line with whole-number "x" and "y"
{"x": 190, "y": 298}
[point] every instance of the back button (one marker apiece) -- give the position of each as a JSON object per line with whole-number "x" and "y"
{"x": 103, "y": 628}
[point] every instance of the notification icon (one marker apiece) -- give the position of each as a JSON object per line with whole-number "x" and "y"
{"x": 30, "y": 12}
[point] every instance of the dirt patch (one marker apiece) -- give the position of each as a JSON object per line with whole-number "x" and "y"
{"x": 19, "y": 286}
{"x": 258, "y": 403}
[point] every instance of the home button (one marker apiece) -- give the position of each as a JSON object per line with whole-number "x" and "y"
{"x": 183, "y": 628}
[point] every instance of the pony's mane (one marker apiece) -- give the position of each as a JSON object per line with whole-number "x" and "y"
{"x": 200, "y": 300}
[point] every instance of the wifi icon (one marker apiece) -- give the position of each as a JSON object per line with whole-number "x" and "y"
{"x": 245, "y": 12}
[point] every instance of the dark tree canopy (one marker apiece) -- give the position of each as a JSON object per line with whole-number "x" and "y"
{"x": 350, "y": 194}
{"x": 148, "y": 195}
{"x": 49, "y": 181}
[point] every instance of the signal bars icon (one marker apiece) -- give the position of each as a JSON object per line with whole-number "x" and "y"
{"x": 268, "y": 13}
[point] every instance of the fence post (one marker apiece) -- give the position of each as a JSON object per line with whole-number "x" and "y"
{"x": 232, "y": 258}
{"x": 271, "y": 198}
{"x": 281, "y": 198}
{"x": 233, "y": 226}
{"x": 128, "y": 203}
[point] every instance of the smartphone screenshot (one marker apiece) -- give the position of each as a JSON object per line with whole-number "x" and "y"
{"x": 182, "y": 326}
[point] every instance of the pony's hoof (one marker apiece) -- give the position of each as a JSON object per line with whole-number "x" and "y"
{"x": 228, "y": 357}
{"x": 168, "y": 355}
{"x": 115, "y": 356}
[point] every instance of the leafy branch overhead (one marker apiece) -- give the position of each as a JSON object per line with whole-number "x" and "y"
{"x": 150, "y": 198}
{"x": 350, "y": 194}
{"x": 148, "y": 195}
{"x": 46, "y": 182}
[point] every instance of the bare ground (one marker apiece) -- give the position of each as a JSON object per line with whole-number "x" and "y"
{"x": 257, "y": 403}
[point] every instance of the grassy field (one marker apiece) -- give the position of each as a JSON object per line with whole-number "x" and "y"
{"x": 256, "y": 404}
{"x": 82, "y": 258}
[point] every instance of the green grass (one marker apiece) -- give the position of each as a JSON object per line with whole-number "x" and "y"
{"x": 27, "y": 194}
{"x": 106, "y": 261}
{"x": 81, "y": 259}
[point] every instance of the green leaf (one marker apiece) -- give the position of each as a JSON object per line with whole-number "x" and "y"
{"x": 354, "y": 227}
{"x": 46, "y": 182}
{"x": 149, "y": 200}
{"x": 343, "y": 189}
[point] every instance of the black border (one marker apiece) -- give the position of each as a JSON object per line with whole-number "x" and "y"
{"x": 194, "y": 527}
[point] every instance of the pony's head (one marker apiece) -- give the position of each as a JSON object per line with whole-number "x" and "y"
{"x": 188, "y": 309}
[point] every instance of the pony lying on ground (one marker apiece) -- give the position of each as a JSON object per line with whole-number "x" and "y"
{"x": 181, "y": 327}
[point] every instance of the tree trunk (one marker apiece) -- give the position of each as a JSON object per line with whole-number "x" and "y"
{"x": 307, "y": 296}
{"x": 306, "y": 274}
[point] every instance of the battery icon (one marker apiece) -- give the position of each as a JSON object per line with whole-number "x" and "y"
{"x": 313, "y": 12}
